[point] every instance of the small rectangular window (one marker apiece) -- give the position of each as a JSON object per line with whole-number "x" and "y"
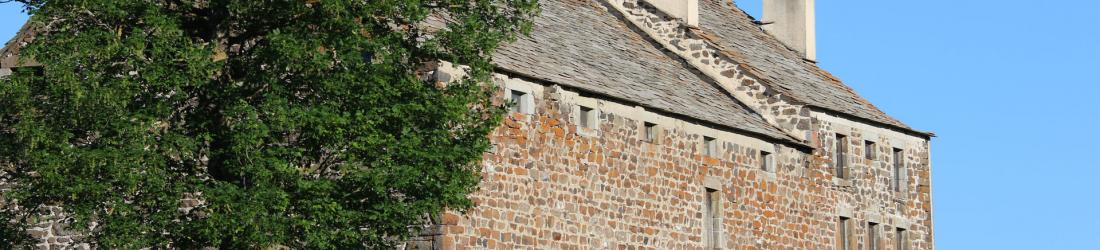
{"x": 899, "y": 169}
{"x": 517, "y": 101}
{"x": 843, "y": 241}
{"x": 902, "y": 239}
{"x": 587, "y": 117}
{"x": 872, "y": 236}
{"x": 766, "y": 161}
{"x": 869, "y": 150}
{"x": 841, "y": 151}
{"x": 649, "y": 132}
{"x": 709, "y": 146}
{"x": 713, "y": 219}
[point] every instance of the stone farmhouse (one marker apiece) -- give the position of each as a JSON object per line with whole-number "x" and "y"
{"x": 687, "y": 124}
{"x": 684, "y": 124}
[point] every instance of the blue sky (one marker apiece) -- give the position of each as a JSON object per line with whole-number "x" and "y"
{"x": 1009, "y": 86}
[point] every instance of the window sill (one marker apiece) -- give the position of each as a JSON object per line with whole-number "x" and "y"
{"x": 839, "y": 182}
{"x": 520, "y": 116}
{"x": 587, "y": 132}
{"x": 768, "y": 175}
{"x": 710, "y": 160}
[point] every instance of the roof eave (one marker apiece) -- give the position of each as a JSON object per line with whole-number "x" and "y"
{"x": 785, "y": 139}
{"x": 902, "y": 129}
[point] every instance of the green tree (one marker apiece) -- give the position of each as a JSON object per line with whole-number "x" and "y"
{"x": 299, "y": 123}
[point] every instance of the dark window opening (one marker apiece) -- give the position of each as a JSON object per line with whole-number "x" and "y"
{"x": 766, "y": 161}
{"x": 713, "y": 219}
{"x": 650, "y": 131}
{"x": 709, "y": 147}
{"x": 586, "y": 117}
{"x": 901, "y": 239}
{"x": 839, "y": 155}
{"x": 842, "y": 234}
{"x": 869, "y": 150}
{"x": 517, "y": 101}
{"x": 872, "y": 236}
{"x": 899, "y": 169}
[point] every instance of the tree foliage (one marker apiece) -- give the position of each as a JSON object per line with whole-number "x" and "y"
{"x": 298, "y": 123}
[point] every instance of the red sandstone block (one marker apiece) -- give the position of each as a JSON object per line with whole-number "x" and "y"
{"x": 447, "y": 243}
{"x": 450, "y": 219}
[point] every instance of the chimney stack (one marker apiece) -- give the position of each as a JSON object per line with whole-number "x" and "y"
{"x": 687, "y": 10}
{"x": 792, "y": 22}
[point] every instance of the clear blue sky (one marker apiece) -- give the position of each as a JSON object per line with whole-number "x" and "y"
{"x": 1010, "y": 86}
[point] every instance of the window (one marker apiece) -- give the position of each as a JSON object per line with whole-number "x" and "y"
{"x": 841, "y": 150}
{"x": 710, "y": 148}
{"x": 869, "y": 150}
{"x": 766, "y": 161}
{"x": 899, "y": 169}
{"x": 517, "y": 101}
{"x": 712, "y": 218}
{"x": 843, "y": 232}
{"x": 902, "y": 240}
{"x": 522, "y": 102}
{"x": 872, "y": 236}
{"x": 587, "y": 118}
{"x": 649, "y": 132}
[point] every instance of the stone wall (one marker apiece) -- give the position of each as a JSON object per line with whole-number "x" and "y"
{"x": 49, "y": 226}
{"x": 52, "y": 231}
{"x": 548, "y": 184}
{"x": 867, "y": 194}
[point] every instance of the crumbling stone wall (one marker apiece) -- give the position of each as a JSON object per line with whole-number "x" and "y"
{"x": 548, "y": 184}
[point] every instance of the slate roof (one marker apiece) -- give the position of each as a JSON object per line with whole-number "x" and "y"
{"x": 9, "y": 54}
{"x": 781, "y": 67}
{"x": 578, "y": 43}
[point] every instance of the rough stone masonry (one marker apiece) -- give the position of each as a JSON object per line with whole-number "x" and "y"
{"x": 640, "y": 129}
{"x": 830, "y": 172}
{"x": 551, "y": 184}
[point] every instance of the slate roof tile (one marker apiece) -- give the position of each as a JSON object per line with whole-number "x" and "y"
{"x": 9, "y": 54}
{"x": 578, "y": 43}
{"x": 781, "y": 67}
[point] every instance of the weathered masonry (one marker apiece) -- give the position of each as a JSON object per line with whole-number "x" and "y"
{"x": 687, "y": 124}
{"x": 681, "y": 124}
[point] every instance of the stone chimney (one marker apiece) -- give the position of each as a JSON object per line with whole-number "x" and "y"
{"x": 687, "y": 10}
{"x": 792, "y": 22}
